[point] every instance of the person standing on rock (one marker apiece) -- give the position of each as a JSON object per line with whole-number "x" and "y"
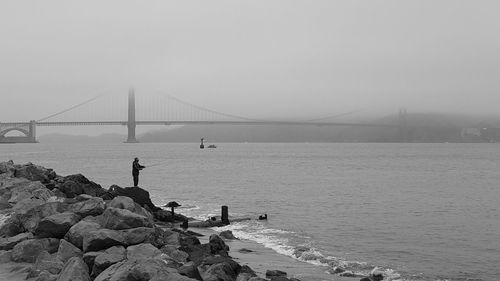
{"x": 136, "y": 167}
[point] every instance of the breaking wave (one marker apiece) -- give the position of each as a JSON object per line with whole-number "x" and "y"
{"x": 294, "y": 245}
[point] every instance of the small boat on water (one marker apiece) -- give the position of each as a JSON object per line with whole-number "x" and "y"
{"x": 202, "y": 145}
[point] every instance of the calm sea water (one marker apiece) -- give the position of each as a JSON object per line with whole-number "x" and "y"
{"x": 418, "y": 211}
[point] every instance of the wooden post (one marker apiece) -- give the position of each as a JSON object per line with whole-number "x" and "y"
{"x": 225, "y": 215}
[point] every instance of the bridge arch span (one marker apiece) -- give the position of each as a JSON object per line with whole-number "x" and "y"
{"x": 6, "y": 131}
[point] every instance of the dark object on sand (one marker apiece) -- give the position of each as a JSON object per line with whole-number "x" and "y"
{"x": 263, "y": 217}
{"x": 173, "y": 205}
{"x": 202, "y": 145}
{"x": 225, "y": 215}
{"x": 212, "y": 146}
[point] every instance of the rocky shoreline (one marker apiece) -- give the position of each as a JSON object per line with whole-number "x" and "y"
{"x": 70, "y": 228}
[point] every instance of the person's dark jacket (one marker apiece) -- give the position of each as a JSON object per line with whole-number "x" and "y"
{"x": 136, "y": 167}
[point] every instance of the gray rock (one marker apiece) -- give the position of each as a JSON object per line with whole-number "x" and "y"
{"x": 74, "y": 270}
{"x": 117, "y": 219}
{"x": 216, "y": 269}
{"x": 175, "y": 254}
{"x": 138, "y": 270}
{"x": 122, "y": 202}
{"x": 137, "y": 235}
{"x": 102, "y": 239}
{"x": 48, "y": 262}
{"x": 7, "y": 168}
{"x": 56, "y": 225}
{"x": 93, "y": 206}
{"x": 32, "y": 217}
{"x": 244, "y": 276}
{"x": 12, "y": 226}
{"x": 32, "y": 189}
{"x": 46, "y": 276}
{"x": 190, "y": 270}
{"x": 34, "y": 173}
{"x": 5, "y": 256}
{"x": 28, "y": 250}
{"x": 107, "y": 258}
{"x": 89, "y": 258}
{"x": 143, "y": 252}
{"x": 10, "y": 242}
{"x": 81, "y": 229}
{"x": 274, "y": 273}
{"x": 217, "y": 245}
{"x": 67, "y": 250}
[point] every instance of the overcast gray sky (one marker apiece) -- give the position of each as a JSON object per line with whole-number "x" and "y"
{"x": 253, "y": 58}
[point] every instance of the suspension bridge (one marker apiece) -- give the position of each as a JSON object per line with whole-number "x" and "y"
{"x": 167, "y": 110}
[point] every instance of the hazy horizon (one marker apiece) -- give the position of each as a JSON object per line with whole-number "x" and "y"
{"x": 276, "y": 59}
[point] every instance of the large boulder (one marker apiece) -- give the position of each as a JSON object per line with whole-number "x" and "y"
{"x": 56, "y": 225}
{"x": 137, "y": 235}
{"x": 102, "y": 239}
{"x": 122, "y": 202}
{"x": 127, "y": 203}
{"x": 10, "y": 242}
{"x": 138, "y": 194}
{"x": 175, "y": 254}
{"x": 107, "y": 258}
{"x": 217, "y": 245}
{"x": 32, "y": 217}
{"x": 190, "y": 270}
{"x": 67, "y": 250}
{"x": 28, "y": 190}
{"x": 199, "y": 252}
{"x": 93, "y": 206}
{"x": 12, "y": 226}
{"x": 117, "y": 219}
{"x": 162, "y": 237}
{"x": 34, "y": 173}
{"x": 47, "y": 262}
{"x": 140, "y": 270}
{"x": 217, "y": 268}
{"x": 28, "y": 250}
{"x": 77, "y": 184}
{"x": 78, "y": 231}
{"x": 75, "y": 270}
{"x": 142, "y": 252}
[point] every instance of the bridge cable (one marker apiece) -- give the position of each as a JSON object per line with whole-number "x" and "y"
{"x": 68, "y": 109}
{"x": 208, "y": 110}
{"x": 73, "y": 107}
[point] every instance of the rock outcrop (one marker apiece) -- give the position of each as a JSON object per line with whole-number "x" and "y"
{"x": 70, "y": 228}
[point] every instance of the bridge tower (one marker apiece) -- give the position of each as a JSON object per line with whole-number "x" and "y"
{"x": 403, "y": 125}
{"x": 32, "y": 131}
{"x": 131, "y": 116}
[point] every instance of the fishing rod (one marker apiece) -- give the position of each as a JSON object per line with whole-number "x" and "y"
{"x": 156, "y": 164}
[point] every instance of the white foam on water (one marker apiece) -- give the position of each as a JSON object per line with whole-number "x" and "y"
{"x": 273, "y": 239}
